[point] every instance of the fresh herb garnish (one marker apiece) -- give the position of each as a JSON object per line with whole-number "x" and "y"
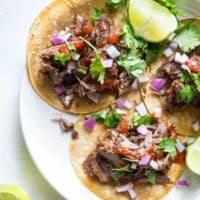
{"x": 100, "y": 117}
{"x": 196, "y": 78}
{"x": 114, "y": 3}
{"x": 96, "y": 14}
{"x": 188, "y": 36}
{"x": 168, "y": 145}
{"x": 81, "y": 71}
{"x": 145, "y": 120}
{"x": 185, "y": 77}
{"x": 151, "y": 175}
{"x": 118, "y": 173}
{"x": 62, "y": 57}
{"x": 187, "y": 94}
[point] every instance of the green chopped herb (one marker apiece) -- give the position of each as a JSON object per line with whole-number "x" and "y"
{"x": 118, "y": 173}
{"x": 82, "y": 71}
{"x": 145, "y": 120}
{"x": 96, "y": 14}
{"x": 114, "y": 3}
{"x": 187, "y": 94}
{"x": 196, "y": 78}
{"x": 71, "y": 47}
{"x": 62, "y": 58}
{"x": 185, "y": 77}
{"x": 168, "y": 145}
{"x": 151, "y": 175}
{"x": 113, "y": 120}
{"x": 100, "y": 117}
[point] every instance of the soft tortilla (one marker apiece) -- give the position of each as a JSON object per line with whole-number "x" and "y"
{"x": 80, "y": 149}
{"x": 52, "y": 20}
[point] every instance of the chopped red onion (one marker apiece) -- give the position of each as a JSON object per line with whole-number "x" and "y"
{"x": 168, "y": 52}
{"x": 127, "y": 104}
{"x": 157, "y": 112}
{"x": 89, "y": 124}
{"x": 184, "y": 58}
{"x": 141, "y": 109}
{"x": 94, "y": 97}
{"x": 142, "y": 130}
{"x": 185, "y": 67}
{"x": 178, "y": 58}
{"x": 107, "y": 63}
{"x": 124, "y": 188}
{"x": 180, "y": 146}
{"x": 154, "y": 164}
{"x": 55, "y": 39}
{"x": 112, "y": 51}
{"x": 71, "y": 66}
{"x": 182, "y": 184}
{"x": 59, "y": 89}
{"x": 120, "y": 103}
{"x": 65, "y": 36}
{"x": 132, "y": 193}
{"x": 56, "y": 116}
{"x": 196, "y": 125}
{"x": 171, "y": 37}
{"x": 133, "y": 166}
{"x": 157, "y": 84}
{"x": 76, "y": 56}
{"x": 144, "y": 160}
{"x": 68, "y": 99}
{"x": 135, "y": 84}
{"x": 143, "y": 79}
{"x": 120, "y": 111}
{"x": 174, "y": 45}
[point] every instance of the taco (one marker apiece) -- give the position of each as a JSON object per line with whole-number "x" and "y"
{"x": 175, "y": 80}
{"x": 72, "y": 60}
{"x": 130, "y": 158}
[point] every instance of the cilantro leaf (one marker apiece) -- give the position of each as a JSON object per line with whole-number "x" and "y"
{"x": 100, "y": 117}
{"x": 114, "y": 3}
{"x": 96, "y": 14}
{"x": 196, "y": 78}
{"x": 113, "y": 120}
{"x": 151, "y": 175}
{"x": 81, "y": 71}
{"x": 62, "y": 57}
{"x": 118, "y": 173}
{"x": 185, "y": 77}
{"x": 168, "y": 145}
{"x": 145, "y": 120}
{"x": 188, "y": 37}
{"x": 187, "y": 94}
{"x": 132, "y": 63}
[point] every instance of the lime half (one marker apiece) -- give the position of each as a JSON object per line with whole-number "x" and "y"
{"x": 150, "y": 20}
{"x": 193, "y": 156}
{"x": 12, "y": 192}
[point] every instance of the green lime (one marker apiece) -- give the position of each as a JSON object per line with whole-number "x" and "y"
{"x": 12, "y": 192}
{"x": 193, "y": 156}
{"x": 150, "y": 20}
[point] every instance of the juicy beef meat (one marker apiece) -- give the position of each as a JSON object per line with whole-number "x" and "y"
{"x": 78, "y": 25}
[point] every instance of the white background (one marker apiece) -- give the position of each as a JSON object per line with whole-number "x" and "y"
{"x": 16, "y": 166}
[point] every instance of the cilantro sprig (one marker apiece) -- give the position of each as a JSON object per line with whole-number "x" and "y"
{"x": 151, "y": 176}
{"x": 62, "y": 58}
{"x": 96, "y": 14}
{"x": 145, "y": 120}
{"x": 118, "y": 173}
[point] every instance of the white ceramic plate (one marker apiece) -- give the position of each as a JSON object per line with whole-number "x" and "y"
{"x": 48, "y": 146}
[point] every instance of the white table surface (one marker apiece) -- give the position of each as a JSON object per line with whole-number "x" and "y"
{"x": 16, "y": 166}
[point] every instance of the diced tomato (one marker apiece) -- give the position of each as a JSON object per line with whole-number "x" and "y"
{"x": 194, "y": 64}
{"x": 78, "y": 44}
{"x": 63, "y": 49}
{"x": 88, "y": 29}
{"x": 124, "y": 126}
{"x": 77, "y": 32}
{"x": 112, "y": 71}
{"x": 169, "y": 91}
{"x": 180, "y": 158}
{"x": 113, "y": 39}
{"x": 111, "y": 84}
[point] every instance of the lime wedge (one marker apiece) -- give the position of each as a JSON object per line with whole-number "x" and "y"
{"x": 193, "y": 156}
{"x": 151, "y": 21}
{"x": 12, "y": 192}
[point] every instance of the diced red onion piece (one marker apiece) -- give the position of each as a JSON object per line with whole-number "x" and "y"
{"x": 157, "y": 112}
{"x": 157, "y": 84}
{"x": 184, "y": 58}
{"x": 141, "y": 109}
{"x": 168, "y": 52}
{"x": 112, "y": 51}
{"x": 154, "y": 164}
{"x": 178, "y": 58}
{"x": 133, "y": 166}
{"x": 56, "y": 40}
{"x": 185, "y": 67}
{"x": 143, "y": 79}
{"x": 124, "y": 188}
{"x": 171, "y": 37}
{"x": 196, "y": 125}
{"x": 144, "y": 160}
{"x": 70, "y": 67}
{"x": 135, "y": 84}
{"x": 59, "y": 89}
{"x": 94, "y": 97}
{"x": 65, "y": 36}
{"x": 180, "y": 146}
{"x": 182, "y": 184}
{"x": 120, "y": 103}
{"x": 89, "y": 124}
{"x": 56, "y": 116}
{"x": 173, "y": 45}
{"x": 107, "y": 63}
{"x": 127, "y": 104}
{"x": 120, "y": 111}
{"x": 132, "y": 193}
{"x": 76, "y": 56}
{"x": 68, "y": 99}
{"x": 142, "y": 130}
